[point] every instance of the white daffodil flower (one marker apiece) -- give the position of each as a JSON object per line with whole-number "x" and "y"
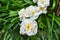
{"x": 21, "y": 14}
{"x": 28, "y": 27}
{"x": 43, "y": 2}
{"x": 32, "y": 12}
{"x": 42, "y": 10}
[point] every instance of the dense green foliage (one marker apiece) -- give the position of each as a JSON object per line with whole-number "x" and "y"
{"x": 49, "y": 24}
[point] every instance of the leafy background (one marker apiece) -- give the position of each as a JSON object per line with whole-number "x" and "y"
{"x": 49, "y": 24}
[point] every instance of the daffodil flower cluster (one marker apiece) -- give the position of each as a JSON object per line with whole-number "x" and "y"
{"x": 29, "y": 15}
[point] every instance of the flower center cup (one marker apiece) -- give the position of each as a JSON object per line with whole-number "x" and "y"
{"x": 29, "y": 27}
{"x": 42, "y": 8}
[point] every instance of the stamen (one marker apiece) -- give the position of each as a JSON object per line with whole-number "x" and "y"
{"x": 34, "y": 11}
{"x": 28, "y": 27}
{"x": 42, "y": 8}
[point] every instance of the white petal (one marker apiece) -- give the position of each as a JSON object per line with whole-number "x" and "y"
{"x": 44, "y": 12}
{"x": 21, "y": 14}
{"x": 30, "y": 33}
{"x": 34, "y": 1}
{"x": 22, "y": 30}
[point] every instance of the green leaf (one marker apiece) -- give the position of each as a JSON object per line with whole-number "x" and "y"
{"x": 49, "y": 29}
{"x": 8, "y": 37}
{"x": 14, "y": 19}
{"x": 40, "y": 23}
{"x": 13, "y": 12}
{"x": 56, "y": 34}
{"x": 28, "y": 1}
{"x": 5, "y": 35}
{"x": 7, "y": 27}
{"x": 53, "y": 18}
{"x": 54, "y": 4}
{"x": 3, "y": 14}
{"x": 57, "y": 20}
